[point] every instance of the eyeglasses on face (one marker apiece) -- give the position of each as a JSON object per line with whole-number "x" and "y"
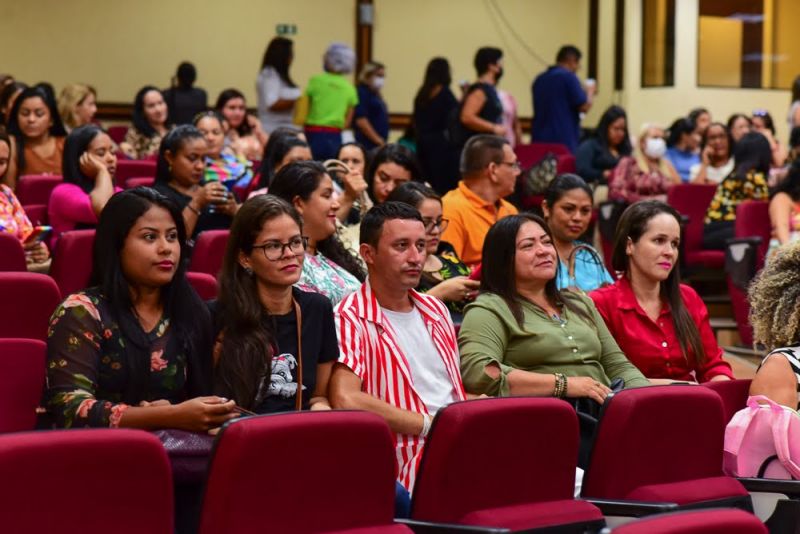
{"x": 441, "y": 223}
{"x": 513, "y": 164}
{"x": 273, "y": 250}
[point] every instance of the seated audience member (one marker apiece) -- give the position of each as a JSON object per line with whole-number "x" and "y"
{"x": 784, "y": 211}
{"x": 389, "y": 167}
{"x": 489, "y": 170}
{"x": 598, "y": 155}
{"x": 567, "y": 209}
{"x": 716, "y": 156}
{"x": 13, "y": 219}
{"x": 183, "y": 99}
{"x": 277, "y": 92}
{"x": 331, "y": 100}
{"x": 773, "y": 296}
{"x": 149, "y": 124}
{"x": 659, "y": 323}
{"x": 180, "y": 176}
{"x": 134, "y": 350}
{"x": 77, "y": 105}
{"x": 222, "y": 164}
{"x": 244, "y": 133}
{"x": 748, "y": 181}
{"x": 89, "y": 167}
{"x": 329, "y": 268}
{"x": 390, "y": 337}
{"x": 762, "y": 123}
{"x": 647, "y": 175}
{"x": 37, "y": 136}
{"x": 350, "y": 186}
{"x": 444, "y": 275}
{"x": 371, "y": 117}
{"x": 354, "y": 156}
{"x": 284, "y": 147}
{"x": 524, "y": 336}
{"x": 739, "y": 124}
{"x": 8, "y": 95}
{"x": 701, "y": 118}
{"x": 683, "y": 145}
{"x": 259, "y": 363}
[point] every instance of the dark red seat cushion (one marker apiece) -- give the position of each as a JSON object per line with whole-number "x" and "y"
{"x": 534, "y": 515}
{"x": 691, "y": 491}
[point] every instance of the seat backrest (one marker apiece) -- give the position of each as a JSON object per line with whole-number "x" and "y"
{"x": 130, "y": 168}
{"x": 733, "y": 393}
{"x": 28, "y": 300}
{"x": 534, "y": 152}
{"x": 720, "y": 521}
{"x": 72, "y": 261}
{"x": 692, "y": 200}
{"x": 125, "y": 473}
{"x": 117, "y": 133}
{"x": 209, "y": 249}
{"x": 752, "y": 219}
{"x": 260, "y": 461}
{"x": 459, "y": 472}
{"x": 204, "y": 284}
{"x": 655, "y": 435}
{"x": 22, "y": 369}
{"x": 138, "y": 181}
{"x": 36, "y": 188}
{"x": 37, "y": 213}
{"x": 12, "y": 257}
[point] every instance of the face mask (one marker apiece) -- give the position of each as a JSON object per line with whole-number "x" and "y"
{"x": 655, "y": 147}
{"x": 377, "y": 82}
{"x": 498, "y": 75}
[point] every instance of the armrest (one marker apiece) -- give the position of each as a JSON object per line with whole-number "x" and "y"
{"x": 790, "y": 488}
{"x": 748, "y": 240}
{"x": 426, "y": 527}
{"x": 632, "y": 508}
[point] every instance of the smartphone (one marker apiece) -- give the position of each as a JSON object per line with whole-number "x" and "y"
{"x": 39, "y": 234}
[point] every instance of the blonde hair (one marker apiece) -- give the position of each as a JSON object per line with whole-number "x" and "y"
{"x": 71, "y": 97}
{"x": 369, "y": 69}
{"x": 774, "y": 298}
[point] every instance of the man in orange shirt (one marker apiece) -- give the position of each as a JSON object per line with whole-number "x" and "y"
{"x": 489, "y": 170}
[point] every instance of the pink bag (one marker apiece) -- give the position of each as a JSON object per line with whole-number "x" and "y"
{"x": 763, "y": 440}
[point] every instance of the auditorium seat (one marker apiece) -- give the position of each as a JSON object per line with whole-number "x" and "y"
{"x": 72, "y": 261}
{"x": 22, "y": 371}
{"x": 468, "y": 475}
{"x": 12, "y": 256}
{"x": 209, "y": 249}
{"x": 733, "y": 393}
{"x": 36, "y": 188}
{"x": 663, "y": 444}
{"x": 146, "y": 181}
{"x": 338, "y": 466}
{"x": 129, "y": 168}
{"x": 204, "y": 284}
{"x": 696, "y": 522}
{"x": 37, "y": 213}
{"x": 85, "y": 481}
{"x": 117, "y": 133}
{"x": 28, "y": 300}
{"x": 692, "y": 200}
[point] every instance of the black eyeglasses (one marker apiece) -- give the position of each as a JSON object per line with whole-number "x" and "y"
{"x": 273, "y": 250}
{"x": 512, "y": 164}
{"x": 441, "y": 223}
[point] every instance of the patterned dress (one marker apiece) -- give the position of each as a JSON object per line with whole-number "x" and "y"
{"x": 452, "y": 266}
{"x": 732, "y": 192}
{"x": 12, "y": 217}
{"x": 321, "y": 275}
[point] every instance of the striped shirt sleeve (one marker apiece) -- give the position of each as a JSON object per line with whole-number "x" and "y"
{"x": 348, "y": 333}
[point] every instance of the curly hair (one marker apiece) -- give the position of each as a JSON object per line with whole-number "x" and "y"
{"x": 774, "y": 298}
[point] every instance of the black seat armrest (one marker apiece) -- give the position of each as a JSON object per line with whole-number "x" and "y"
{"x": 619, "y": 507}
{"x": 790, "y": 488}
{"x": 426, "y": 527}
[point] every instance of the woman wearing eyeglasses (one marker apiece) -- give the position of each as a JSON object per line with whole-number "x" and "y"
{"x": 276, "y": 344}
{"x": 329, "y": 268}
{"x": 444, "y": 275}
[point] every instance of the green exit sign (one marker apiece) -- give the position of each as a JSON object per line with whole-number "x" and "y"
{"x": 286, "y": 29}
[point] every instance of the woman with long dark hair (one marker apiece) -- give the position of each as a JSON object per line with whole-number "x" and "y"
{"x": 262, "y": 317}
{"x": 243, "y": 131}
{"x": 149, "y": 124}
{"x": 284, "y": 147}
{"x": 738, "y": 125}
{"x": 598, "y": 155}
{"x": 661, "y": 324}
{"x": 329, "y": 268}
{"x": 222, "y": 164}
{"x": 277, "y": 92}
{"x": 391, "y": 166}
{"x": 683, "y": 143}
{"x": 133, "y": 350}
{"x": 716, "y": 155}
{"x": 764, "y": 124}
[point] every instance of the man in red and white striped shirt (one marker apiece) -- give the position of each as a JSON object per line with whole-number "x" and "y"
{"x": 398, "y": 350}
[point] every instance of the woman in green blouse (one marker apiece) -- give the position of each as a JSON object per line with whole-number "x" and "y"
{"x": 522, "y": 336}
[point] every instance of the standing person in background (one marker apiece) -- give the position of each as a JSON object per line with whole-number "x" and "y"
{"x": 243, "y": 131}
{"x": 794, "y": 110}
{"x": 598, "y": 155}
{"x": 77, "y": 105}
{"x": 738, "y": 125}
{"x": 683, "y": 143}
{"x": 184, "y": 101}
{"x": 433, "y": 106}
{"x": 276, "y": 91}
{"x": 559, "y": 99}
{"x": 331, "y": 100}
{"x": 149, "y": 124}
{"x": 371, "y": 114}
{"x": 481, "y": 111}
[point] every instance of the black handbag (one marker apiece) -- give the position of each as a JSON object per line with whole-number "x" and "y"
{"x": 189, "y": 453}
{"x": 588, "y": 411}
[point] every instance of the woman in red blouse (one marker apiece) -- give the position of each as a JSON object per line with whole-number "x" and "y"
{"x": 659, "y": 323}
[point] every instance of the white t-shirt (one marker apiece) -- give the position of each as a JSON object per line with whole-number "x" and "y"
{"x": 428, "y": 372}
{"x": 713, "y": 174}
{"x": 270, "y": 88}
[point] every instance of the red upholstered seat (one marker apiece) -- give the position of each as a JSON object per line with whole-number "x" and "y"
{"x": 258, "y": 461}
{"x": 37, "y": 213}
{"x": 130, "y": 168}
{"x": 146, "y": 181}
{"x": 209, "y": 249}
{"x": 72, "y": 261}
{"x": 709, "y": 259}
{"x": 696, "y": 522}
{"x": 463, "y": 477}
{"x": 662, "y": 443}
{"x": 692, "y": 200}
{"x": 28, "y": 300}
{"x": 104, "y": 481}
{"x": 36, "y": 188}
{"x": 12, "y": 257}
{"x": 204, "y": 284}
{"x": 733, "y": 393}
{"x": 117, "y": 133}
{"x": 21, "y": 381}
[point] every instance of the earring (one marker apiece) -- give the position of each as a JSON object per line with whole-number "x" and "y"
{"x": 169, "y": 168}
{"x": 249, "y": 271}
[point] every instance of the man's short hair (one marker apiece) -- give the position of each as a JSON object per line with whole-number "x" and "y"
{"x": 372, "y": 223}
{"x": 488, "y": 55}
{"x": 567, "y": 52}
{"x": 480, "y": 151}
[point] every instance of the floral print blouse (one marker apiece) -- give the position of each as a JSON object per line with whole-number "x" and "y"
{"x": 12, "y": 217}
{"x": 86, "y": 367}
{"x": 142, "y": 146}
{"x": 452, "y": 266}
{"x": 731, "y": 192}
{"x": 321, "y": 275}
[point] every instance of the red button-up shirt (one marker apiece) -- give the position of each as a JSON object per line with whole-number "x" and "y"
{"x": 653, "y": 346}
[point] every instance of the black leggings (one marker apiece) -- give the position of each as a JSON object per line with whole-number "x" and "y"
{"x": 716, "y": 234}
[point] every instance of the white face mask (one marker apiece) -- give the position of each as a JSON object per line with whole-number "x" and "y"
{"x": 377, "y": 82}
{"x": 655, "y": 147}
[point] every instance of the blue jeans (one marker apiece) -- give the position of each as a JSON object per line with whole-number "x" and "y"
{"x": 324, "y": 145}
{"x": 402, "y": 501}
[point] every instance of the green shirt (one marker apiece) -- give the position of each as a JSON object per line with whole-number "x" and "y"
{"x": 570, "y": 345}
{"x": 330, "y": 96}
